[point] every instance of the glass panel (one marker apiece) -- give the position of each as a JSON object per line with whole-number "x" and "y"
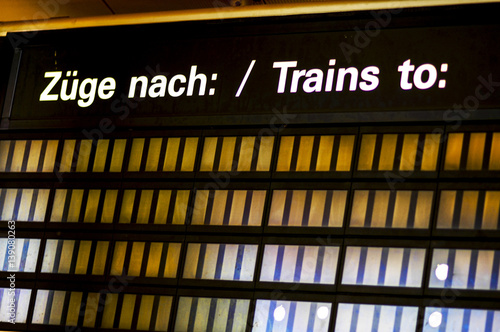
{"x": 463, "y": 320}
{"x": 211, "y": 314}
{"x": 315, "y": 153}
{"x": 18, "y": 313}
{"x": 18, "y": 255}
{"x": 27, "y": 156}
{"x": 391, "y": 209}
{"x": 49, "y": 307}
{"x": 376, "y": 266}
{"x": 283, "y": 316}
{"x": 308, "y": 208}
{"x": 214, "y": 261}
{"x": 229, "y": 207}
{"x": 469, "y": 209}
{"x": 299, "y": 264}
{"x": 67, "y": 155}
{"x": 154, "y": 313}
{"x": 156, "y": 259}
{"x": 74, "y": 257}
{"x": 155, "y": 206}
{"x": 23, "y": 204}
{"x": 153, "y": 154}
{"x": 465, "y": 269}
{"x": 369, "y": 317}
{"x": 237, "y": 153}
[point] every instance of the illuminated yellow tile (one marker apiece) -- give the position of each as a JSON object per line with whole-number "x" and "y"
{"x": 57, "y": 307}
{"x": 18, "y": 156}
{"x": 227, "y": 154}
{"x": 424, "y": 208}
{"x": 237, "y": 207}
{"x": 359, "y": 207}
{"x": 189, "y": 156}
{"x": 153, "y": 154}
{"x": 285, "y": 154}
{"x": 118, "y": 155}
{"x": 108, "y": 316}
{"x": 171, "y": 154}
{"x": 34, "y": 156}
{"x": 50, "y": 156}
{"x": 297, "y": 208}
{"x": 305, "y": 153}
{"x": 367, "y": 151}
{"x": 495, "y": 153}
{"x": 58, "y": 206}
{"x": 108, "y": 210}
{"x": 25, "y": 204}
{"x": 162, "y": 206}
{"x": 163, "y": 316}
{"x": 265, "y": 154}
{"x": 380, "y": 207}
{"x": 401, "y": 209}
{"x": 75, "y": 205}
{"x": 82, "y": 260}
{"x": 453, "y": 152}
{"x": 67, "y": 155}
{"x": 66, "y": 256}
{"x": 219, "y": 204}
{"x": 468, "y": 210}
{"x": 100, "y": 155}
{"x": 74, "y": 309}
{"x": 192, "y": 256}
{"x": 208, "y": 156}
{"x": 134, "y": 268}
{"x": 91, "y": 308}
{"x": 92, "y": 205}
{"x": 491, "y": 210}
{"x": 41, "y": 204}
{"x": 145, "y": 311}
{"x": 317, "y": 208}
{"x": 257, "y": 208}
{"x": 134, "y": 164}
{"x": 118, "y": 258}
{"x": 346, "y": 149}
{"x": 409, "y": 152}
{"x": 387, "y": 152}
{"x": 430, "y": 153}
{"x": 144, "y": 206}
{"x": 127, "y": 206}
{"x": 180, "y": 208}
{"x": 172, "y": 263}
{"x": 154, "y": 259}
{"x": 127, "y": 313}
{"x": 325, "y": 153}
{"x": 82, "y": 163}
{"x": 277, "y": 207}
{"x": 100, "y": 257}
{"x": 476, "y": 152}
{"x": 4, "y": 153}
{"x": 446, "y": 209}
{"x": 246, "y": 153}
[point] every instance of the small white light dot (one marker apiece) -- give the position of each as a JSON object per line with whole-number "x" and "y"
{"x": 322, "y": 312}
{"x": 435, "y": 319}
{"x": 279, "y": 313}
{"x": 444, "y": 67}
{"x": 214, "y": 76}
{"x": 441, "y": 271}
{"x": 442, "y": 84}
{"x": 211, "y": 91}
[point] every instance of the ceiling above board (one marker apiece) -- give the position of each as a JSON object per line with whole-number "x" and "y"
{"x": 32, "y": 10}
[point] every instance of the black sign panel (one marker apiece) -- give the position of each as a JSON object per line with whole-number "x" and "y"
{"x": 366, "y": 69}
